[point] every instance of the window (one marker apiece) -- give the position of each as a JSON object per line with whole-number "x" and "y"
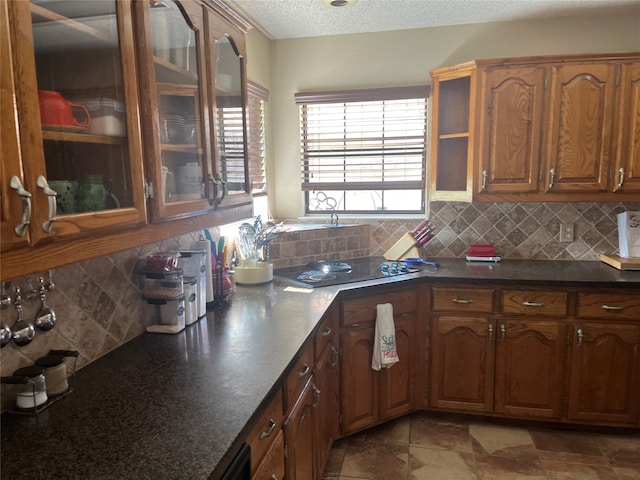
{"x": 363, "y": 151}
{"x": 257, "y": 97}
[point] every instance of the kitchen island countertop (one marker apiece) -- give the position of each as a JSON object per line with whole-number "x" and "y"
{"x": 179, "y": 406}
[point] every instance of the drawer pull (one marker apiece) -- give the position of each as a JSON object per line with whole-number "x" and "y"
{"x": 304, "y": 371}
{"x": 326, "y": 332}
{"x": 611, "y": 308}
{"x": 272, "y": 427}
{"x": 533, "y": 304}
{"x": 490, "y": 330}
{"x": 580, "y": 337}
{"x": 463, "y": 301}
{"x": 403, "y": 315}
{"x": 273, "y": 477}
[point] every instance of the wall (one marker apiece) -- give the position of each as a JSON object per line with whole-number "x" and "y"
{"x": 404, "y": 58}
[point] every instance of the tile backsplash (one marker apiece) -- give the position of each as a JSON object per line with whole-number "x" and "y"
{"x": 99, "y": 305}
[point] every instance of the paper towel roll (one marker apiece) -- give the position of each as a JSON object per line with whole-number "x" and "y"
{"x": 206, "y": 246}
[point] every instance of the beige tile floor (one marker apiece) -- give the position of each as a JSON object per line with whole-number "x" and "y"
{"x": 432, "y": 446}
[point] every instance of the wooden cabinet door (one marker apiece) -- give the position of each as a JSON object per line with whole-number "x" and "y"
{"x": 604, "y": 381}
{"x": 83, "y": 170}
{"x": 579, "y": 148}
{"x": 463, "y": 354}
{"x": 272, "y": 467}
{"x": 510, "y": 129}
{"x": 15, "y": 202}
{"x": 529, "y": 367}
{"x": 299, "y": 437}
{"x": 627, "y": 172}
{"x": 327, "y": 414}
{"x": 397, "y": 384}
{"x": 359, "y": 382}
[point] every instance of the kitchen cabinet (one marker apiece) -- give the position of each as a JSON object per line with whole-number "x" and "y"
{"x": 507, "y": 361}
{"x": 579, "y": 150}
{"x": 79, "y": 161}
{"x": 536, "y": 129}
{"x": 368, "y": 396}
{"x": 627, "y": 168}
{"x": 511, "y": 128}
{"x": 265, "y": 437}
{"x": 195, "y": 75}
{"x": 299, "y": 435}
{"x": 604, "y": 382}
{"x": 327, "y": 381}
{"x": 73, "y": 189}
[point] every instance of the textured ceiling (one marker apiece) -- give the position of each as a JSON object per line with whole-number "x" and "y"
{"x": 280, "y": 19}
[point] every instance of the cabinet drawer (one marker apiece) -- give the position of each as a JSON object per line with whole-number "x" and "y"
{"x": 357, "y": 311}
{"x": 298, "y": 376}
{"x": 534, "y": 302}
{"x": 460, "y": 299}
{"x": 326, "y": 335}
{"x": 609, "y": 305}
{"x": 266, "y": 429}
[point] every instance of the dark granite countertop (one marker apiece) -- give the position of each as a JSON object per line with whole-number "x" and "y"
{"x": 179, "y": 406}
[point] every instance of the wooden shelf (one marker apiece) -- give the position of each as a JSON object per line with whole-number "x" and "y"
{"x": 82, "y": 138}
{"x": 68, "y": 22}
{"x": 454, "y": 135}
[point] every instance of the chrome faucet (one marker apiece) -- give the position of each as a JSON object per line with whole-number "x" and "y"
{"x": 334, "y": 219}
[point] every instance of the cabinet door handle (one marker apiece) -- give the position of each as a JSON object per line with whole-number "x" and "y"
{"x": 304, "y": 371}
{"x": 620, "y": 177}
{"x": 21, "y": 228}
{"x": 326, "y": 332}
{"x": 503, "y": 332}
{"x": 51, "y": 197}
{"x": 485, "y": 174}
{"x": 336, "y": 355}
{"x": 580, "y": 337}
{"x": 614, "y": 308}
{"x": 533, "y": 304}
{"x": 490, "y": 330}
{"x": 316, "y": 394}
{"x": 273, "y": 477}
{"x": 552, "y": 177}
{"x": 463, "y": 301}
{"x": 272, "y": 427}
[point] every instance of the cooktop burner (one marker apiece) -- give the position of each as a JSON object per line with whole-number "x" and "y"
{"x": 325, "y": 273}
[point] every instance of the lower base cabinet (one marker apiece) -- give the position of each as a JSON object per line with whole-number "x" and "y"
{"x": 299, "y": 434}
{"x": 272, "y": 466}
{"x": 368, "y": 396}
{"x": 604, "y": 384}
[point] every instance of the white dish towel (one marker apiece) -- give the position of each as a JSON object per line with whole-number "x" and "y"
{"x": 384, "y": 343}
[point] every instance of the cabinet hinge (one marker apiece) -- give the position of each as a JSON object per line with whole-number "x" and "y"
{"x": 568, "y": 338}
{"x": 564, "y": 404}
{"x": 427, "y": 392}
{"x": 546, "y": 83}
{"x": 340, "y": 351}
{"x": 148, "y": 189}
{"x": 429, "y": 330}
{"x": 618, "y": 80}
{"x": 340, "y": 419}
{"x": 286, "y": 452}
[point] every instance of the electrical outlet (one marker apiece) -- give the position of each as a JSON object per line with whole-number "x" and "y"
{"x": 566, "y": 232}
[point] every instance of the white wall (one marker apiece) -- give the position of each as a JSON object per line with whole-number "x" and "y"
{"x": 399, "y": 58}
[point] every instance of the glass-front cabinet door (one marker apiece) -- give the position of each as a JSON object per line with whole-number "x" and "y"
{"x": 174, "y": 77}
{"x": 227, "y": 56}
{"x": 77, "y": 105}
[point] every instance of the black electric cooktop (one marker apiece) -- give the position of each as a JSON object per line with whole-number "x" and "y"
{"x": 326, "y": 273}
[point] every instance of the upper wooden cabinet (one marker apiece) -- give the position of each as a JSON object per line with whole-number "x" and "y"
{"x": 76, "y": 104}
{"x": 195, "y": 77}
{"x": 123, "y": 123}
{"x": 537, "y": 129}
